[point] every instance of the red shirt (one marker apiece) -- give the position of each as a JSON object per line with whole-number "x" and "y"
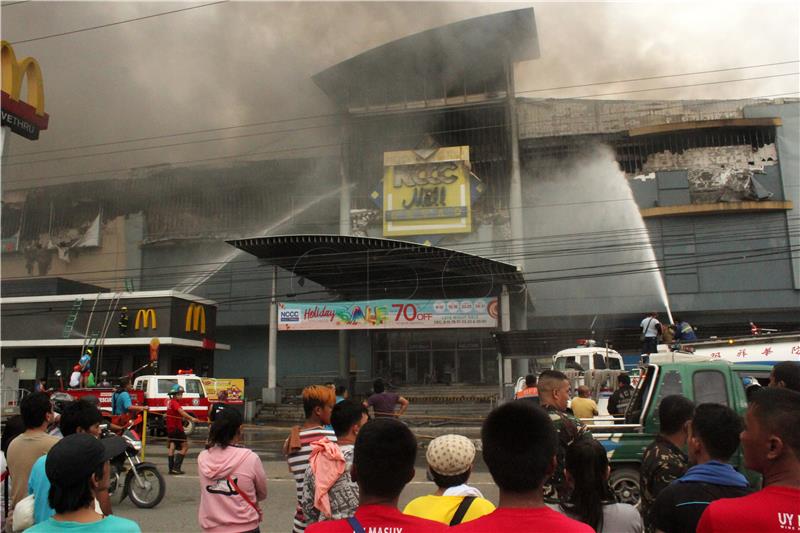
{"x": 773, "y": 509}
{"x": 174, "y": 419}
{"x": 379, "y": 518}
{"x": 539, "y": 520}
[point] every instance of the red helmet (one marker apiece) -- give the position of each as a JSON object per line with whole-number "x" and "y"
{"x": 76, "y": 368}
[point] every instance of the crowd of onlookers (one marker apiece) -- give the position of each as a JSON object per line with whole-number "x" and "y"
{"x": 350, "y": 470}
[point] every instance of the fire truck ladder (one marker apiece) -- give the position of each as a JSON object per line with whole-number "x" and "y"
{"x": 69, "y": 325}
{"x": 90, "y": 341}
{"x": 107, "y": 321}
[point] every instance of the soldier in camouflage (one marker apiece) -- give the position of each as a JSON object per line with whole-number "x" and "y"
{"x": 554, "y": 396}
{"x": 663, "y": 460}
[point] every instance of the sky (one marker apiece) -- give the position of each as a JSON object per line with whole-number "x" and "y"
{"x": 239, "y": 63}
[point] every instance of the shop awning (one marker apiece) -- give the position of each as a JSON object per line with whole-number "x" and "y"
{"x": 366, "y": 267}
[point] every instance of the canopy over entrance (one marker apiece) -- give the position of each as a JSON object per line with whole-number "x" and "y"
{"x": 365, "y": 267}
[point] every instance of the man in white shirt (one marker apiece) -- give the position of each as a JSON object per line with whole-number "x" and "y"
{"x": 651, "y": 328}
{"x": 75, "y": 377}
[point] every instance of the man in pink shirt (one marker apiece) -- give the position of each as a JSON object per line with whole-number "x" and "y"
{"x": 519, "y": 447}
{"x": 771, "y": 445}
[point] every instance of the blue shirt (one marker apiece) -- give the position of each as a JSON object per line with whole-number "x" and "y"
{"x": 107, "y": 524}
{"x": 120, "y": 403}
{"x": 39, "y": 486}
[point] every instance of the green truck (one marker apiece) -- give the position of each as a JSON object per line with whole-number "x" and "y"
{"x": 710, "y": 382}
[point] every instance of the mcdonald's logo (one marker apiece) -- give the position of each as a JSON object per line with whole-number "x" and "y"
{"x": 145, "y": 318}
{"x": 23, "y": 117}
{"x": 196, "y": 318}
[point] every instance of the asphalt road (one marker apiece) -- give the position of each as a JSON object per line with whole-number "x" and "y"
{"x": 177, "y": 512}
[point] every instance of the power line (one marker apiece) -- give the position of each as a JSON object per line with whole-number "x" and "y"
{"x": 52, "y": 35}
{"x": 335, "y": 115}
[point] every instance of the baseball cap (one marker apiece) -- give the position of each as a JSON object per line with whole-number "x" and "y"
{"x": 450, "y": 455}
{"x": 76, "y": 457}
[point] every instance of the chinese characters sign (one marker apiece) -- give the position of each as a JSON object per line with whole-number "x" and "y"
{"x": 389, "y": 314}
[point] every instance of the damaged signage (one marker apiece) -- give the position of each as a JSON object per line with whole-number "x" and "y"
{"x": 388, "y": 314}
{"x": 427, "y": 192}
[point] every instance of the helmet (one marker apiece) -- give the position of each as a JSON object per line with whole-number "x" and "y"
{"x": 76, "y": 368}
{"x": 89, "y": 351}
{"x": 124, "y": 308}
{"x": 176, "y": 389}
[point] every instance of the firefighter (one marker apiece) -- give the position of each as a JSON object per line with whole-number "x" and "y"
{"x": 123, "y": 322}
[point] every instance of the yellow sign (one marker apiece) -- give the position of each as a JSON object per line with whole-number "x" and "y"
{"x": 144, "y": 318}
{"x": 196, "y": 318}
{"x": 232, "y": 389}
{"x": 15, "y": 72}
{"x": 426, "y": 192}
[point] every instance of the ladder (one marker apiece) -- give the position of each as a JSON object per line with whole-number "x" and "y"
{"x": 69, "y": 325}
{"x": 91, "y": 341}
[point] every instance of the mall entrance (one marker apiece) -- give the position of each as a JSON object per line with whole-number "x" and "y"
{"x": 435, "y": 356}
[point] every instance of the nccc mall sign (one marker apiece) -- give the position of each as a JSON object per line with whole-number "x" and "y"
{"x": 389, "y": 314}
{"x": 24, "y": 118}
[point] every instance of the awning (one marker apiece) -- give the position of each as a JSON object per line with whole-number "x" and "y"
{"x": 366, "y": 267}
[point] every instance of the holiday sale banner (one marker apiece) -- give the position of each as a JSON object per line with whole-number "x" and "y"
{"x": 389, "y": 314}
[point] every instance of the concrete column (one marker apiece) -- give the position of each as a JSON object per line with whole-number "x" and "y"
{"x": 344, "y": 229}
{"x": 505, "y": 325}
{"x": 515, "y": 181}
{"x": 270, "y": 394}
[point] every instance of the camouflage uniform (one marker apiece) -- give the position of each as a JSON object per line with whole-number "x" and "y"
{"x": 570, "y": 429}
{"x": 662, "y": 463}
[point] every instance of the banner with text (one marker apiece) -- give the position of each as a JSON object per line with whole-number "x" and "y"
{"x": 389, "y": 314}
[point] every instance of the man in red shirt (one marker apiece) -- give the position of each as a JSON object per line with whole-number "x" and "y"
{"x": 771, "y": 446}
{"x": 519, "y": 447}
{"x": 383, "y": 463}
{"x": 175, "y": 434}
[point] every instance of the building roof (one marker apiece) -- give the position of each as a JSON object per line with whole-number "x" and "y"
{"x": 366, "y": 267}
{"x": 480, "y": 46}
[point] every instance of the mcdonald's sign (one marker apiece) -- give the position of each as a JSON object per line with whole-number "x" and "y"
{"x": 145, "y": 318}
{"x": 196, "y": 318}
{"x": 25, "y": 118}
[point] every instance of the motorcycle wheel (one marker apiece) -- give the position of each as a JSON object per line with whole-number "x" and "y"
{"x": 149, "y": 495}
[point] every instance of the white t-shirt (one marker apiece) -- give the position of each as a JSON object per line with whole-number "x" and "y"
{"x": 649, "y": 326}
{"x": 75, "y": 379}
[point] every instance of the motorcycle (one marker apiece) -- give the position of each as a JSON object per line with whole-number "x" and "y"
{"x": 143, "y": 482}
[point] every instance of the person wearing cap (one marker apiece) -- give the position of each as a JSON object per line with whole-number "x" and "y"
{"x": 85, "y": 363}
{"x": 450, "y": 460}
{"x": 175, "y": 434}
{"x": 78, "y": 470}
{"x": 75, "y": 377}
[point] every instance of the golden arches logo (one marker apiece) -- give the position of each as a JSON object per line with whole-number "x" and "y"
{"x": 15, "y": 72}
{"x": 145, "y": 318}
{"x": 196, "y": 318}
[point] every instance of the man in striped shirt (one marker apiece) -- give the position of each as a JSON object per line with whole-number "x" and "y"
{"x": 318, "y": 402}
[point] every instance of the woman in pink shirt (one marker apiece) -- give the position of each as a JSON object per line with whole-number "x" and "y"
{"x": 232, "y": 479}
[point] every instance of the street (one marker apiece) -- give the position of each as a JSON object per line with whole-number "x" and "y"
{"x": 177, "y": 512}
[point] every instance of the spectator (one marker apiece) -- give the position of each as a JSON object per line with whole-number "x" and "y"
{"x": 713, "y": 439}
{"x": 591, "y": 498}
{"x": 318, "y": 402}
{"x": 176, "y": 436}
{"x": 14, "y": 426}
{"x": 771, "y": 446}
{"x": 232, "y": 479}
{"x": 530, "y": 390}
{"x": 75, "y": 377}
{"x": 78, "y": 469}
{"x": 584, "y": 407}
{"x": 651, "y": 329}
{"x": 121, "y": 403}
{"x": 78, "y": 417}
{"x": 554, "y": 395}
{"x": 383, "y": 402}
{"x": 519, "y": 447}
{"x": 383, "y": 463}
{"x": 663, "y": 460}
{"x": 619, "y": 401}
{"x": 450, "y": 459}
{"x": 33, "y": 443}
{"x": 786, "y": 374}
{"x": 684, "y": 331}
{"x": 329, "y": 492}
{"x": 342, "y": 393}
